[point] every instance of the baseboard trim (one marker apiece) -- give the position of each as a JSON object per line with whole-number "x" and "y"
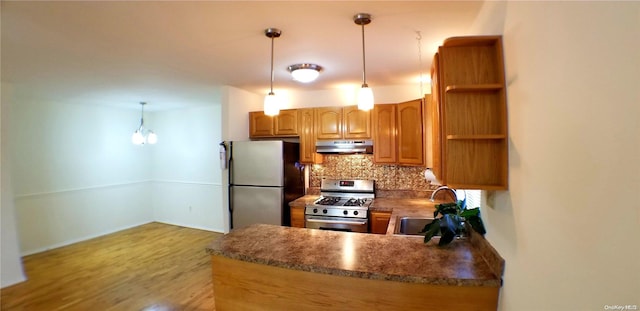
{"x": 189, "y": 226}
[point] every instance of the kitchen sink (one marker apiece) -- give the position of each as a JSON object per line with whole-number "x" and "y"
{"x": 407, "y": 225}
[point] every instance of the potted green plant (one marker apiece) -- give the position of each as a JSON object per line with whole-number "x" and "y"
{"x": 451, "y": 222}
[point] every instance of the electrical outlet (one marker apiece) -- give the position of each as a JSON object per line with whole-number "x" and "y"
{"x": 190, "y": 208}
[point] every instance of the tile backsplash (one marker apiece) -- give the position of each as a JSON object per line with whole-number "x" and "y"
{"x": 361, "y": 166}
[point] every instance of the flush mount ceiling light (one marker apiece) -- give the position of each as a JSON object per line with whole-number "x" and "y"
{"x": 271, "y": 102}
{"x": 365, "y": 95}
{"x": 143, "y": 136}
{"x": 304, "y": 73}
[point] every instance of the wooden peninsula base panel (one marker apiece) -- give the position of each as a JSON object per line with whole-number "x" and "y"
{"x": 241, "y": 285}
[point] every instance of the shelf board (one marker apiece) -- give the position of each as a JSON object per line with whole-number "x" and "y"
{"x": 473, "y": 137}
{"x": 473, "y": 88}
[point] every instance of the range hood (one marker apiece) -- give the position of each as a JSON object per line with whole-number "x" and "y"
{"x": 344, "y": 146}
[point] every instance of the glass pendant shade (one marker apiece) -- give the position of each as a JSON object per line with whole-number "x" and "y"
{"x": 271, "y": 105}
{"x": 365, "y": 98}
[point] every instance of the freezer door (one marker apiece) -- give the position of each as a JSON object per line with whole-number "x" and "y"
{"x": 257, "y": 163}
{"x": 256, "y": 205}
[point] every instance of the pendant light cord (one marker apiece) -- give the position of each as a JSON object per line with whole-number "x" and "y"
{"x": 142, "y": 115}
{"x": 364, "y": 68}
{"x": 271, "y": 86}
{"x": 419, "y": 38}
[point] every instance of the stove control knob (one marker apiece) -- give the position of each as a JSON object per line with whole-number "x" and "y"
{"x": 346, "y": 212}
{"x": 355, "y": 213}
{"x": 324, "y": 211}
{"x": 315, "y": 210}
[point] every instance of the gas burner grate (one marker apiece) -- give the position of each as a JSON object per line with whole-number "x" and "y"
{"x": 355, "y": 202}
{"x": 328, "y": 201}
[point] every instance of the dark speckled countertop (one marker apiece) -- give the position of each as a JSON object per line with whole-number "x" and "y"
{"x": 361, "y": 255}
{"x": 466, "y": 262}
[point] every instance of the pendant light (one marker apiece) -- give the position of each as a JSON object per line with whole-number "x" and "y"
{"x": 271, "y": 102}
{"x": 143, "y": 136}
{"x": 365, "y": 95}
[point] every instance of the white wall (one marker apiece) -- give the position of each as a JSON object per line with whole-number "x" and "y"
{"x": 11, "y": 271}
{"x": 383, "y": 94}
{"x": 187, "y": 184}
{"x": 76, "y": 174}
{"x": 568, "y": 227}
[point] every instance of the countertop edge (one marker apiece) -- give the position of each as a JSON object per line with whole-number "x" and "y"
{"x": 361, "y": 274}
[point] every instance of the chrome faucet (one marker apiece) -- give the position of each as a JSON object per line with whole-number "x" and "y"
{"x": 443, "y": 188}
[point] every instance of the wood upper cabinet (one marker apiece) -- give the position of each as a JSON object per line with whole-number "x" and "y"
{"x": 379, "y": 221}
{"x": 306, "y": 121}
{"x": 260, "y": 125}
{"x": 385, "y": 134}
{"x": 410, "y": 129}
{"x": 285, "y": 124}
{"x": 342, "y": 123}
{"x": 473, "y": 113}
{"x": 356, "y": 123}
{"x": 328, "y": 123}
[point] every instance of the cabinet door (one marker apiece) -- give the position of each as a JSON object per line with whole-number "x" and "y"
{"x": 286, "y": 123}
{"x": 329, "y": 123}
{"x": 384, "y": 134}
{"x": 379, "y": 222}
{"x": 307, "y": 135}
{"x": 410, "y": 128}
{"x": 297, "y": 217}
{"x": 260, "y": 125}
{"x": 357, "y": 123}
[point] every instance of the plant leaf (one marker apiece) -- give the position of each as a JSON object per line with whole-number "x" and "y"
{"x": 470, "y": 212}
{"x": 433, "y": 230}
{"x": 447, "y": 208}
{"x": 448, "y": 228}
{"x": 476, "y": 223}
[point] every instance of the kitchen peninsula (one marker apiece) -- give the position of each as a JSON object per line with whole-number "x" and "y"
{"x": 279, "y": 268}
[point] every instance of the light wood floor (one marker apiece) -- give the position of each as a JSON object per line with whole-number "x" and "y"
{"x": 153, "y": 267}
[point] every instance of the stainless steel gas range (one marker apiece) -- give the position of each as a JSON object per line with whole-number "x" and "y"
{"x": 343, "y": 206}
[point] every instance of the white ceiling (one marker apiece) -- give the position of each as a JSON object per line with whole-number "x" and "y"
{"x": 176, "y": 53}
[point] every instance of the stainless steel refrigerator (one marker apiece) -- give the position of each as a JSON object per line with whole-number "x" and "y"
{"x": 264, "y": 176}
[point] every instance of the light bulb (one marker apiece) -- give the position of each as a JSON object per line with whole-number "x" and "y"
{"x": 152, "y": 138}
{"x": 365, "y": 98}
{"x": 271, "y": 105}
{"x": 137, "y": 138}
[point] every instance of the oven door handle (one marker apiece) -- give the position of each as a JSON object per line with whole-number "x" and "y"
{"x": 346, "y": 222}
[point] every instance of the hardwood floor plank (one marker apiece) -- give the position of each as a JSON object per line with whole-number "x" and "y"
{"x": 153, "y": 267}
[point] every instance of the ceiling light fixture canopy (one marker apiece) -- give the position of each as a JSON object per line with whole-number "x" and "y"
{"x": 304, "y": 73}
{"x": 143, "y": 136}
{"x": 365, "y": 95}
{"x": 271, "y": 102}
